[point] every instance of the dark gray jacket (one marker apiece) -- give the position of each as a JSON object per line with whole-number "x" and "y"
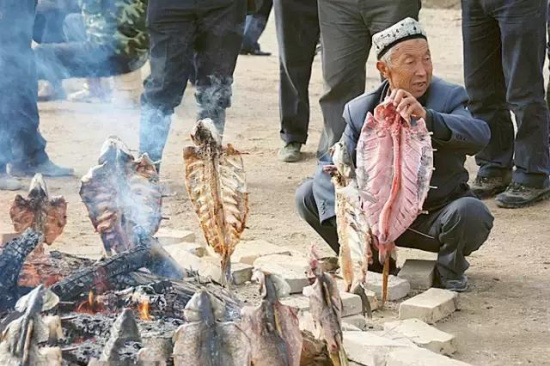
{"x": 455, "y": 134}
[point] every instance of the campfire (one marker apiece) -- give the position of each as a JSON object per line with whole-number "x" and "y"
{"x": 136, "y": 305}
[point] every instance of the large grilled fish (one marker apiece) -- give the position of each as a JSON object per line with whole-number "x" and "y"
{"x": 354, "y": 234}
{"x": 206, "y": 341}
{"x": 273, "y": 328}
{"x": 394, "y": 164}
{"x": 40, "y": 212}
{"x": 121, "y": 193}
{"x": 216, "y": 183}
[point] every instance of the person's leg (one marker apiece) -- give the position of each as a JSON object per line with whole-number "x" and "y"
{"x": 18, "y": 85}
{"x": 219, "y": 38}
{"x": 484, "y": 80}
{"x": 345, "y": 42}
{"x": 523, "y": 30}
{"x": 297, "y": 32}
{"x": 255, "y": 26}
{"x": 172, "y": 30}
{"x": 455, "y": 231}
{"x": 307, "y": 209}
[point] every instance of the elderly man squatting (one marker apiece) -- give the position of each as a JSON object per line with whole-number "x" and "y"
{"x": 457, "y": 223}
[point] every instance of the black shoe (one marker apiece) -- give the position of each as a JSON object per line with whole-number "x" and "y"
{"x": 518, "y": 195}
{"x": 456, "y": 284}
{"x": 47, "y": 169}
{"x": 255, "y": 52}
{"x": 484, "y": 187}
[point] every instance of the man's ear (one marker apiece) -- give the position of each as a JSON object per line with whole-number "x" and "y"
{"x": 383, "y": 68}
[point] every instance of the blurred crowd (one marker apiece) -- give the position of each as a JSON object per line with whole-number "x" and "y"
{"x": 198, "y": 43}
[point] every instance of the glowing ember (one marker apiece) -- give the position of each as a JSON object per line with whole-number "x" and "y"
{"x": 91, "y": 306}
{"x": 143, "y": 308}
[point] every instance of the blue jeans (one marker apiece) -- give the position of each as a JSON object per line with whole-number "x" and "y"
{"x": 504, "y": 51}
{"x": 20, "y": 139}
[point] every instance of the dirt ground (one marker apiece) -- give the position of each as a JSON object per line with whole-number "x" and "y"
{"x": 504, "y": 319}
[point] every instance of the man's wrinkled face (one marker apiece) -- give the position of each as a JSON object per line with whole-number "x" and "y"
{"x": 410, "y": 67}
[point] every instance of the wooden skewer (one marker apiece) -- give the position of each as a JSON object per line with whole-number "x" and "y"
{"x": 385, "y": 276}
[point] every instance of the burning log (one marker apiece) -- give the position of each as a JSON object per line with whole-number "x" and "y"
{"x": 204, "y": 341}
{"x": 51, "y": 268}
{"x": 216, "y": 183}
{"x": 12, "y": 258}
{"x": 100, "y": 274}
{"x": 120, "y": 193}
{"x": 273, "y": 328}
{"x": 40, "y": 212}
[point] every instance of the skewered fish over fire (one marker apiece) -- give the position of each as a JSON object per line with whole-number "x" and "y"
{"x": 121, "y": 193}
{"x": 273, "y": 328}
{"x": 326, "y": 308}
{"x": 216, "y": 183}
{"x": 40, "y": 212}
{"x": 354, "y": 233}
{"x": 208, "y": 339}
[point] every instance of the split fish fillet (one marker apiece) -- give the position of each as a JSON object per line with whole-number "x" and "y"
{"x": 216, "y": 183}
{"x": 121, "y": 193}
{"x": 394, "y": 165}
{"x": 40, "y": 212}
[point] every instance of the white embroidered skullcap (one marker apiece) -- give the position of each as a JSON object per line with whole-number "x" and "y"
{"x": 403, "y": 30}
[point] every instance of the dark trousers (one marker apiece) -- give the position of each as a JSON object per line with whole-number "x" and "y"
{"x": 347, "y": 27}
{"x": 184, "y": 35}
{"x": 50, "y": 16}
{"x": 297, "y": 25}
{"x": 454, "y": 231}
{"x": 80, "y": 58}
{"x": 255, "y": 26}
{"x": 504, "y": 51}
{"x": 20, "y": 139}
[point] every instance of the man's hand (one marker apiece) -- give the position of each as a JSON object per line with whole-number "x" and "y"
{"x": 407, "y": 105}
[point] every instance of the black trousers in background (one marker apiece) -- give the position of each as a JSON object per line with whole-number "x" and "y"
{"x": 454, "y": 231}
{"x": 185, "y": 34}
{"x": 347, "y": 27}
{"x": 20, "y": 139}
{"x": 504, "y": 51}
{"x": 297, "y": 26}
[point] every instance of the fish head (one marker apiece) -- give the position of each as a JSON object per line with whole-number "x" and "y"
{"x": 342, "y": 159}
{"x": 114, "y": 150}
{"x": 204, "y": 307}
{"x": 272, "y": 287}
{"x": 205, "y": 133}
{"x": 38, "y": 188}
